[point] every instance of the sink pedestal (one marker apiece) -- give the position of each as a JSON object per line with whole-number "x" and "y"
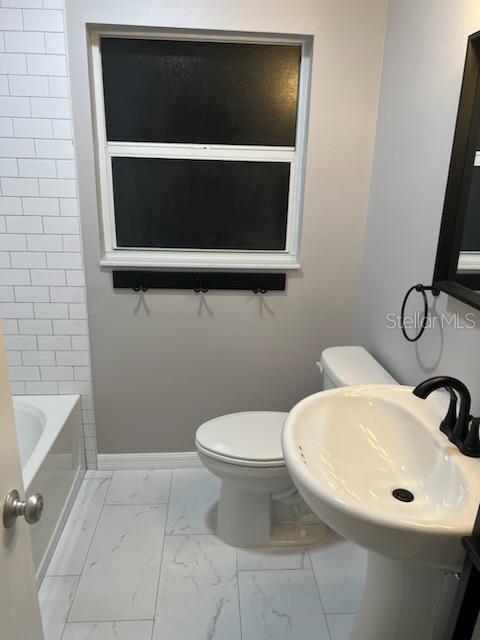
{"x": 400, "y": 601}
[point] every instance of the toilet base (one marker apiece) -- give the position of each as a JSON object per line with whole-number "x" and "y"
{"x": 244, "y": 519}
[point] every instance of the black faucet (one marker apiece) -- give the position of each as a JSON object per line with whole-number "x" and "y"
{"x": 456, "y": 427}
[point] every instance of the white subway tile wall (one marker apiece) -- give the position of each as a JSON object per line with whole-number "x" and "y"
{"x": 42, "y": 286}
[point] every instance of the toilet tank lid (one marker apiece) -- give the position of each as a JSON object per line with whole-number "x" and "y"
{"x": 348, "y": 366}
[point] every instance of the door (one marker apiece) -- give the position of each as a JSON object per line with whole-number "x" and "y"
{"x": 19, "y": 610}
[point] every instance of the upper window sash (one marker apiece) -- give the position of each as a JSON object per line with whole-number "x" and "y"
{"x": 191, "y": 90}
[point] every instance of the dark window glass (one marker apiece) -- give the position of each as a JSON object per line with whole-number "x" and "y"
{"x": 200, "y": 92}
{"x": 200, "y": 204}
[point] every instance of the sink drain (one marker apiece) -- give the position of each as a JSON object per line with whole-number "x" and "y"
{"x": 404, "y": 495}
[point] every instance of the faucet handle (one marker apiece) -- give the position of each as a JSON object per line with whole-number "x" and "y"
{"x": 471, "y": 445}
{"x": 448, "y": 423}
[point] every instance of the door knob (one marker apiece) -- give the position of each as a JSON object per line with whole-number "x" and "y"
{"x": 31, "y": 508}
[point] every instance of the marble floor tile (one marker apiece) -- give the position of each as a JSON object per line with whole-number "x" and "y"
{"x": 281, "y": 604}
{"x": 98, "y": 473}
{"x": 127, "y": 630}
{"x": 340, "y": 625}
{"x": 340, "y": 568}
{"x": 139, "y": 487}
{"x": 56, "y": 596}
{"x": 193, "y": 501}
{"x": 274, "y": 558}
{"x": 72, "y": 548}
{"x": 114, "y": 538}
{"x": 120, "y": 576}
{"x": 198, "y": 591}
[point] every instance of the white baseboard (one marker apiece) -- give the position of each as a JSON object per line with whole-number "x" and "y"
{"x": 180, "y": 460}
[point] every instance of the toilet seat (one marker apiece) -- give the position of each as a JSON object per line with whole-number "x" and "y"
{"x": 249, "y": 438}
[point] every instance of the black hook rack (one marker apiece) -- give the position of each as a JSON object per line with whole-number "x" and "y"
{"x": 199, "y": 282}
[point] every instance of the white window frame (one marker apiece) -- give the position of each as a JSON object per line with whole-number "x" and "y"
{"x": 114, "y": 256}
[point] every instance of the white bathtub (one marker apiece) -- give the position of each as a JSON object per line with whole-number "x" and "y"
{"x": 51, "y": 445}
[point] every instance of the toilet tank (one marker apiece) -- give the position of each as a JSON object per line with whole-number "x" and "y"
{"x": 348, "y": 366}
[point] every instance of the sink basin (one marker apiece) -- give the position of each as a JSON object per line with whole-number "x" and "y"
{"x": 349, "y": 449}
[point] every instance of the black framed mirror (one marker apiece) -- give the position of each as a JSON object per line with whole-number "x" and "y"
{"x": 457, "y": 265}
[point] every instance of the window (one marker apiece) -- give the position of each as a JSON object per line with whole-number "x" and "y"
{"x": 200, "y": 148}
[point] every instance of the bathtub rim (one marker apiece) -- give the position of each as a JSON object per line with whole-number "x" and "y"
{"x": 57, "y": 410}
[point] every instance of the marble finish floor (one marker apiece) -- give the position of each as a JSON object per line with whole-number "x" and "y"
{"x": 138, "y": 560}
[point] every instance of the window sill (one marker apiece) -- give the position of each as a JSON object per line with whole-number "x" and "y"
{"x": 203, "y": 260}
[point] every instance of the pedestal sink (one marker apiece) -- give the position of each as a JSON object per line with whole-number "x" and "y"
{"x": 372, "y": 463}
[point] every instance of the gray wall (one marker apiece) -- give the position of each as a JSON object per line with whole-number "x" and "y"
{"x": 421, "y": 78}
{"x": 165, "y": 363}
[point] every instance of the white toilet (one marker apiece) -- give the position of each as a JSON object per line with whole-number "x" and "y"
{"x": 259, "y": 505}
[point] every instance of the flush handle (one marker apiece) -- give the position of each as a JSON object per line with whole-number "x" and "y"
{"x": 31, "y": 508}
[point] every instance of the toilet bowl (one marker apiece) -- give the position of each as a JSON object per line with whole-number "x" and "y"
{"x": 259, "y": 505}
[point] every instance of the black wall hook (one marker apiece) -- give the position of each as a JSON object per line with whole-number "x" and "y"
{"x": 260, "y": 289}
